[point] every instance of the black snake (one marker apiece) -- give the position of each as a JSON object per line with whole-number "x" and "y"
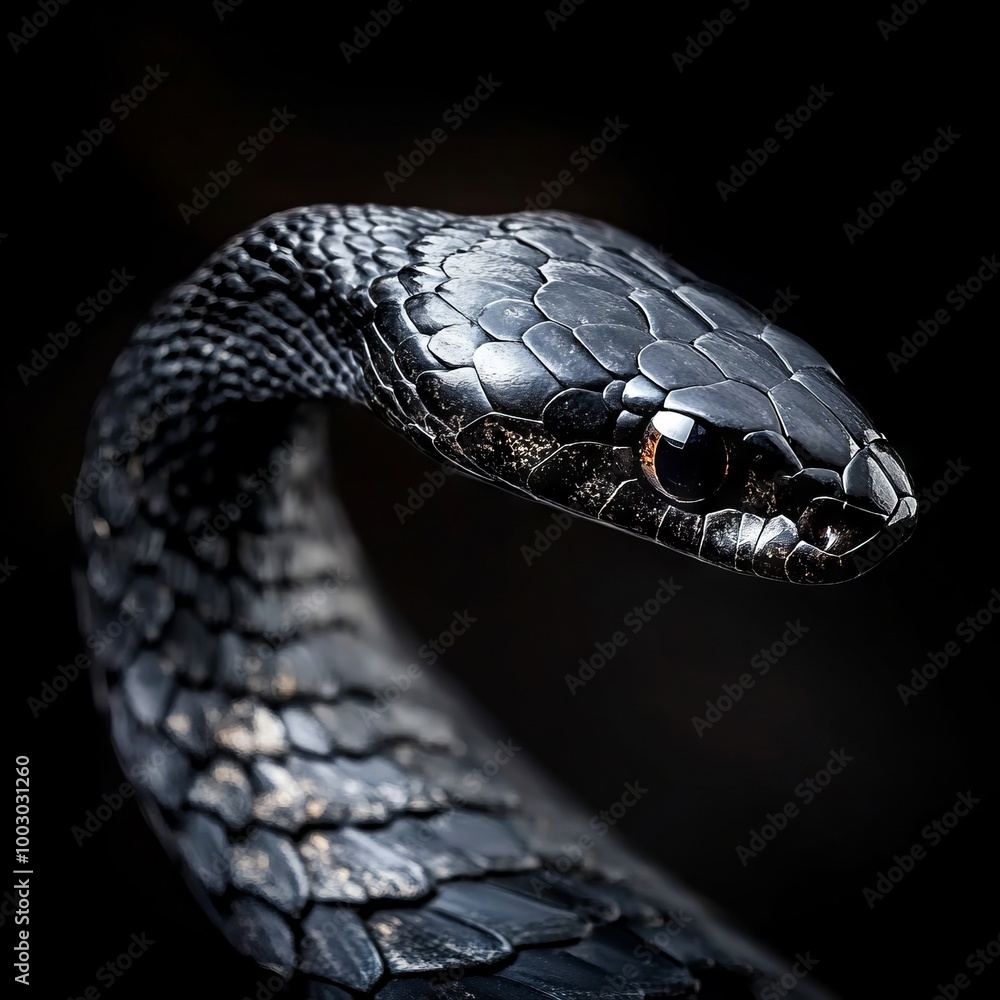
{"x": 333, "y": 833}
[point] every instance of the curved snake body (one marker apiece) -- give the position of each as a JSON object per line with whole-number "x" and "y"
{"x": 335, "y": 837}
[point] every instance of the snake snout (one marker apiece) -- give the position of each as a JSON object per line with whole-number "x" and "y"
{"x": 836, "y": 527}
{"x": 875, "y": 479}
{"x": 847, "y": 522}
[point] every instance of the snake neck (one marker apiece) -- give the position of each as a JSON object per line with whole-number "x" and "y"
{"x": 205, "y": 501}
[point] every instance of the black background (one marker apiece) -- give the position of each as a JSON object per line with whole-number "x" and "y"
{"x": 463, "y": 550}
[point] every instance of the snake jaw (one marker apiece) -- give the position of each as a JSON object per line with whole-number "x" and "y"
{"x": 771, "y": 517}
{"x": 843, "y": 536}
{"x": 833, "y": 526}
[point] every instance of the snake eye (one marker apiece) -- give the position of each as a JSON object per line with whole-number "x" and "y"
{"x": 682, "y": 457}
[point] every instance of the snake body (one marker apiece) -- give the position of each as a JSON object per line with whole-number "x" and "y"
{"x": 338, "y": 837}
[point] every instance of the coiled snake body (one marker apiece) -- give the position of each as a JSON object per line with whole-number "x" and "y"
{"x": 335, "y": 837}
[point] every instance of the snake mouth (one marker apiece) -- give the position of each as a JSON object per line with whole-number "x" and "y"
{"x": 837, "y": 527}
{"x": 843, "y": 524}
{"x": 839, "y": 541}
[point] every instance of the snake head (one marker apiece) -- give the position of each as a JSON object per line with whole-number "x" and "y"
{"x": 576, "y": 365}
{"x": 782, "y": 479}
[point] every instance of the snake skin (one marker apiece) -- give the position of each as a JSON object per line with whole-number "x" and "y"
{"x": 336, "y": 820}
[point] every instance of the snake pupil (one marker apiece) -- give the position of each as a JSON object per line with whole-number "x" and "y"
{"x": 683, "y": 458}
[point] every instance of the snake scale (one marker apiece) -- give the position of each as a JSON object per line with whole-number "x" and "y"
{"x": 333, "y": 834}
